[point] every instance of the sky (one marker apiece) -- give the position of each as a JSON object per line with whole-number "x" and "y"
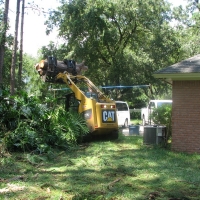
{"x": 34, "y": 29}
{"x": 177, "y": 2}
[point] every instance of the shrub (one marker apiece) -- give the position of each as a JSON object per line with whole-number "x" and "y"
{"x": 135, "y": 115}
{"x": 162, "y": 116}
{"x": 27, "y": 125}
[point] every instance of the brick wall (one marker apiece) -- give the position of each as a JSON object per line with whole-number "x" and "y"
{"x": 186, "y": 116}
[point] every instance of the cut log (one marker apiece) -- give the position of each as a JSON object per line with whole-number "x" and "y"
{"x": 69, "y": 66}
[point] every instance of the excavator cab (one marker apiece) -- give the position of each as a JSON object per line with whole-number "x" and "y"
{"x": 71, "y": 103}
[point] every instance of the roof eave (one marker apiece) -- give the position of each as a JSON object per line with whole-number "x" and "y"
{"x": 180, "y": 76}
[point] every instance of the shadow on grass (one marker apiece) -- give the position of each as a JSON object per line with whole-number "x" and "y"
{"x": 122, "y": 169}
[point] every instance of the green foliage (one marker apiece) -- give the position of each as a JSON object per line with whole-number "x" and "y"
{"x": 28, "y": 125}
{"x": 68, "y": 126}
{"x": 162, "y": 116}
{"x": 126, "y": 40}
{"x": 135, "y": 115}
{"x": 31, "y": 80}
{"x": 187, "y": 22}
{"x": 6, "y": 66}
{"x": 52, "y": 50}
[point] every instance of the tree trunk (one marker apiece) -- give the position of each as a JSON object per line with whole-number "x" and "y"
{"x": 3, "y": 40}
{"x": 21, "y": 46}
{"x": 14, "y": 54}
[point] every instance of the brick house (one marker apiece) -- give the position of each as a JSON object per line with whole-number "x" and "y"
{"x": 185, "y": 79}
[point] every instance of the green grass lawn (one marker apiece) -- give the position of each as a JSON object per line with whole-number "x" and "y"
{"x": 123, "y": 169}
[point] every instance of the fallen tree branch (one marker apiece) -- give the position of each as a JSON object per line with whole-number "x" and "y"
{"x": 110, "y": 185}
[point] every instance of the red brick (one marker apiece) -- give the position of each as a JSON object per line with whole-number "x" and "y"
{"x": 186, "y": 116}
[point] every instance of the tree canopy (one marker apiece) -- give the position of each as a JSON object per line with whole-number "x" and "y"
{"x": 123, "y": 42}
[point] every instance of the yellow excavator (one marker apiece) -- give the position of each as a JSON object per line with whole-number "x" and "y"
{"x": 85, "y": 98}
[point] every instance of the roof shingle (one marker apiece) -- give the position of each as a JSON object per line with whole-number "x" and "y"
{"x": 190, "y": 65}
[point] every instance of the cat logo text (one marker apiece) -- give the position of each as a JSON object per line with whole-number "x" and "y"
{"x": 108, "y": 116}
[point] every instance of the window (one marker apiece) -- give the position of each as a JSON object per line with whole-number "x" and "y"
{"x": 163, "y": 103}
{"x": 121, "y": 107}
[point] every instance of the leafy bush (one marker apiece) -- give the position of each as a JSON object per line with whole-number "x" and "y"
{"x": 135, "y": 115}
{"x": 162, "y": 116}
{"x": 27, "y": 125}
